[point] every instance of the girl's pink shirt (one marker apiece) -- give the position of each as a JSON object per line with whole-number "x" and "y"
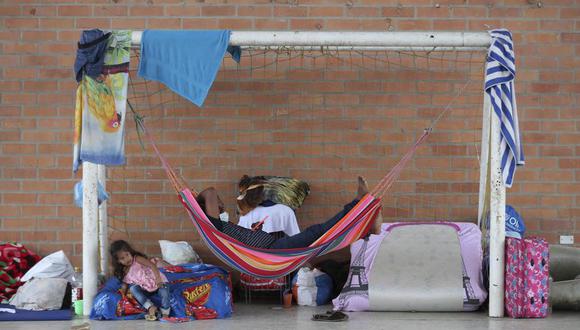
{"x": 142, "y": 276}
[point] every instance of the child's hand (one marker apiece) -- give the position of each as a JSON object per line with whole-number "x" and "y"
{"x": 159, "y": 281}
{"x": 124, "y": 288}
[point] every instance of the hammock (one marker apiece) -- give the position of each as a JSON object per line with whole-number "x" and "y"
{"x": 273, "y": 263}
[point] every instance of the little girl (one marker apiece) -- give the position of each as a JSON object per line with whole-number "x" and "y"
{"x": 142, "y": 276}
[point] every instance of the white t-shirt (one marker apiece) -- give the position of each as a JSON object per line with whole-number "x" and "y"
{"x": 280, "y": 218}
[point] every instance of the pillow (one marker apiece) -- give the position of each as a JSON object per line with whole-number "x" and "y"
{"x": 177, "y": 253}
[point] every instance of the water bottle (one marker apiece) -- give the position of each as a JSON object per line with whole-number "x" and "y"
{"x": 77, "y": 286}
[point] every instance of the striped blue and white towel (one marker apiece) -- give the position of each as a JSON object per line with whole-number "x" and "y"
{"x": 500, "y": 74}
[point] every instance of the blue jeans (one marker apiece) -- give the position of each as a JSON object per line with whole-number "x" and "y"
{"x": 312, "y": 233}
{"x": 142, "y": 296}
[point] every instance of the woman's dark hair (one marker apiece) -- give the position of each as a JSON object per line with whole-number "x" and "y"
{"x": 201, "y": 201}
{"x": 116, "y": 247}
{"x": 245, "y": 182}
{"x": 252, "y": 190}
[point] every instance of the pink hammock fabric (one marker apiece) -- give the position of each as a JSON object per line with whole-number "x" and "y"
{"x": 270, "y": 263}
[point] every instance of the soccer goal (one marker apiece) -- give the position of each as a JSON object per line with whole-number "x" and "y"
{"x": 418, "y": 80}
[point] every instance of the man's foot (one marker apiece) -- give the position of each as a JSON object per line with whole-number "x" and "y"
{"x": 362, "y": 188}
{"x": 376, "y": 229}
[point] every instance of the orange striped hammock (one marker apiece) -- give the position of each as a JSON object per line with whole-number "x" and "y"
{"x": 270, "y": 263}
{"x": 273, "y": 263}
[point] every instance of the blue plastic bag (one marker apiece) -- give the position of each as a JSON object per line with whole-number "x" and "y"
{"x": 514, "y": 224}
{"x": 514, "y": 227}
{"x": 78, "y": 193}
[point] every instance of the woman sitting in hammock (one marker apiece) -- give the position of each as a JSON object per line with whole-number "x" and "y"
{"x": 213, "y": 207}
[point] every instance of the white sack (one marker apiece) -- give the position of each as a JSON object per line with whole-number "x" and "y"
{"x": 307, "y": 290}
{"x": 55, "y": 265}
{"x": 40, "y": 294}
{"x": 177, "y": 253}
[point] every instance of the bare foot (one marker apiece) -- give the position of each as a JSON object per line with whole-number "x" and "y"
{"x": 376, "y": 230}
{"x": 152, "y": 311}
{"x": 362, "y": 188}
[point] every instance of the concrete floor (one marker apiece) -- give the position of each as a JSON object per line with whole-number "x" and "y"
{"x": 270, "y": 316}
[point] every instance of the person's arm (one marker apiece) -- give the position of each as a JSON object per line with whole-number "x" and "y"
{"x": 145, "y": 262}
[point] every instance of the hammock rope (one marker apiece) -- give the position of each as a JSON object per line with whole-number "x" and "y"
{"x": 272, "y": 263}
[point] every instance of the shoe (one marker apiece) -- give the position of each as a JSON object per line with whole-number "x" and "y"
{"x": 330, "y": 316}
{"x": 164, "y": 313}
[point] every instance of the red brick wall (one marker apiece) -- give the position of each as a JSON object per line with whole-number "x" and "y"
{"x": 324, "y": 124}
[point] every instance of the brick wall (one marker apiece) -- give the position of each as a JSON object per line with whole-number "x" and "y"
{"x": 323, "y": 122}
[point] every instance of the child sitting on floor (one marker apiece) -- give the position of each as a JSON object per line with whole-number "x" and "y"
{"x": 141, "y": 276}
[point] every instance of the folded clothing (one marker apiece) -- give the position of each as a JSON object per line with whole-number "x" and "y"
{"x": 91, "y": 53}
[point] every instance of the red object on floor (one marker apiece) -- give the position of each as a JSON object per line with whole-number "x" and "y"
{"x": 15, "y": 261}
{"x": 173, "y": 319}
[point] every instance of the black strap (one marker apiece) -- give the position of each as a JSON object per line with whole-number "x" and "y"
{"x": 94, "y": 42}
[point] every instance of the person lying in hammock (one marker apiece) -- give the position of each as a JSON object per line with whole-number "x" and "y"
{"x": 212, "y": 205}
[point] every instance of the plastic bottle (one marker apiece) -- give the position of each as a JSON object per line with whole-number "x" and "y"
{"x": 77, "y": 286}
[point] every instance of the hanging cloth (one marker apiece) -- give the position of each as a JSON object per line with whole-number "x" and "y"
{"x": 500, "y": 73}
{"x": 100, "y": 107}
{"x": 185, "y": 61}
{"x": 91, "y": 53}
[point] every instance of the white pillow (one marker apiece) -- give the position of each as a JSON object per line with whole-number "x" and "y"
{"x": 177, "y": 253}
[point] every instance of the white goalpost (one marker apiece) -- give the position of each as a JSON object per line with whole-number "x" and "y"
{"x": 491, "y": 185}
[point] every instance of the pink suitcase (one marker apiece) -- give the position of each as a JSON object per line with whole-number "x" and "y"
{"x": 527, "y": 277}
